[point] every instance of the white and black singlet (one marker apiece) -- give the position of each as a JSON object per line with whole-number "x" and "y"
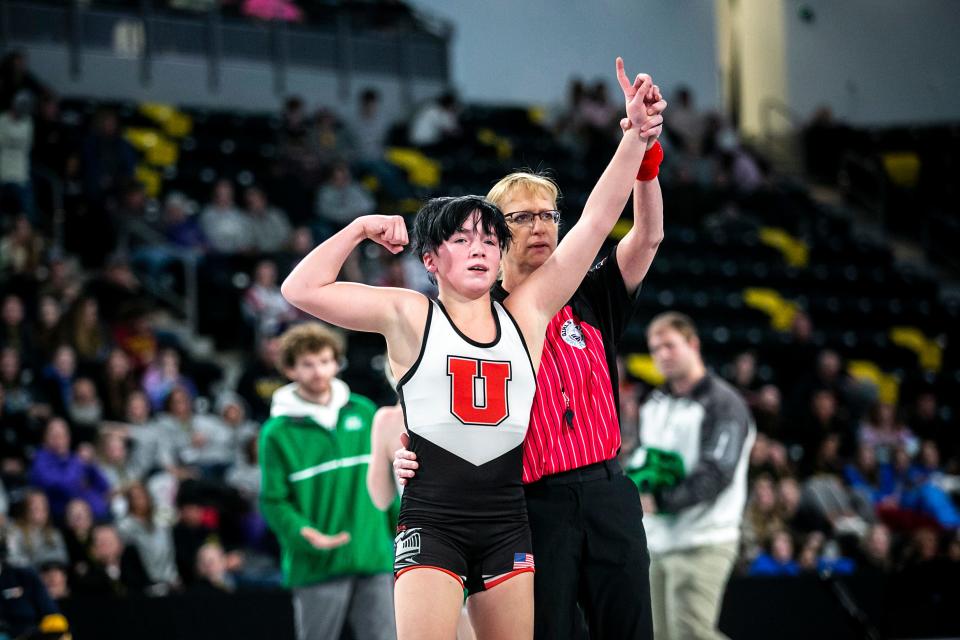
{"x": 467, "y": 406}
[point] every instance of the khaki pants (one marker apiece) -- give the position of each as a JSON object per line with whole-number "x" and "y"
{"x": 686, "y": 591}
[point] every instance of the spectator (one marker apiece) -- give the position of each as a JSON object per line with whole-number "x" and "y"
{"x": 827, "y": 458}
{"x": 135, "y": 335}
{"x": 328, "y": 585}
{"x": 876, "y": 550}
{"x": 436, "y": 126}
{"x": 329, "y": 141}
{"x": 693, "y": 527}
{"x": 761, "y": 519}
{"x": 107, "y": 158}
{"x": 150, "y": 442}
{"x": 153, "y": 539}
{"x": 116, "y": 465}
{"x": 16, "y": 141}
{"x": 85, "y": 410}
{"x": 928, "y": 423}
{"x": 113, "y": 570}
{"x": 181, "y": 226}
{"x": 788, "y": 504}
{"x": 263, "y": 305}
{"x": 162, "y": 376}
{"x": 58, "y": 379}
{"x": 192, "y": 530}
{"x": 224, "y": 225}
{"x": 116, "y": 288}
{"x": 116, "y": 383}
{"x": 244, "y": 475}
{"x": 233, "y": 412}
{"x": 49, "y": 331}
{"x": 370, "y": 127}
{"x": 212, "y": 575}
{"x": 865, "y": 475}
{"x": 832, "y": 509}
{"x": 823, "y": 420}
{"x": 20, "y": 398}
{"x": 268, "y": 225}
{"x": 684, "y": 123}
{"x": 884, "y": 433}
{"x": 52, "y": 147}
{"x": 15, "y": 332}
{"x": 293, "y": 122}
{"x": 918, "y": 493}
{"x": 197, "y": 440}
{"x": 21, "y": 250}
{"x": 86, "y": 332}
{"x": 25, "y": 603}
{"x": 63, "y": 280}
{"x": 369, "y": 130}
{"x": 340, "y": 200}
{"x": 261, "y": 377}
{"x": 15, "y": 77}
{"x": 778, "y": 560}
{"x": 54, "y": 577}
{"x": 78, "y": 532}
{"x": 33, "y": 540}
{"x": 63, "y": 475}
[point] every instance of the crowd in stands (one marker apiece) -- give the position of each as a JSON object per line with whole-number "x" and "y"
{"x": 129, "y": 464}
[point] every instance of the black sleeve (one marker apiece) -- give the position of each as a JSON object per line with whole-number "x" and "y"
{"x": 726, "y": 426}
{"x": 604, "y": 290}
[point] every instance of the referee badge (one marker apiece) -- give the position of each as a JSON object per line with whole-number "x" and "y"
{"x": 571, "y": 334}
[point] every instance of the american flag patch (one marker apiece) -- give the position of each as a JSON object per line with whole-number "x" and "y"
{"x": 522, "y": 561}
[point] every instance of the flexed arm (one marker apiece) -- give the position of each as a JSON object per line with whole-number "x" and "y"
{"x": 312, "y": 285}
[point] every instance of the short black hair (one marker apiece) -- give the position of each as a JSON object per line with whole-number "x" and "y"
{"x": 440, "y": 218}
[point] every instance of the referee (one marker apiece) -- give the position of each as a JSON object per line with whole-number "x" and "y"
{"x": 585, "y": 515}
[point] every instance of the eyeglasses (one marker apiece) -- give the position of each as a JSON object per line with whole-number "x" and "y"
{"x": 527, "y": 218}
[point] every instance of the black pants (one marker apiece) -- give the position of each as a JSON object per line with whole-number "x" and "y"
{"x": 593, "y": 568}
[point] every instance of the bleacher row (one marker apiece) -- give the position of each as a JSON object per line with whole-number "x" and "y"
{"x": 811, "y": 258}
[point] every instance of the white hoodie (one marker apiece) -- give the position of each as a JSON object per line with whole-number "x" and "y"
{"x": 287, "y": 402}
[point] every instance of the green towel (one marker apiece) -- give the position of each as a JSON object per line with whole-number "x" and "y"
{"x": 652, "y": 469}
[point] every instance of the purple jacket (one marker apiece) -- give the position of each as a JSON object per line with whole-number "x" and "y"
{"x": 66, "y": 478}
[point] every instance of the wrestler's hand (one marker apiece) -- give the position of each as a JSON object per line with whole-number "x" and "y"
{"x": 646, "y": 112}
{"x": 389, "y": 231}
{"x": 404, "y": 461}
{"x": 320, "y": 541}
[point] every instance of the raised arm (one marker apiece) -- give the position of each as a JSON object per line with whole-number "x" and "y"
{"x": 636, "y": 250}
{"x": 550, "y": 286}
{"x": 397, "y": 314}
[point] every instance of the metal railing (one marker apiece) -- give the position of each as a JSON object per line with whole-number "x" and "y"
{"x": 150, "y": 32}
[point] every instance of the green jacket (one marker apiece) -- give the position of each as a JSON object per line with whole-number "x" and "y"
{"x": 313, "y": 460}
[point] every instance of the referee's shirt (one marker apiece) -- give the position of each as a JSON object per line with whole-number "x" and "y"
{"x": 575, "y": 417}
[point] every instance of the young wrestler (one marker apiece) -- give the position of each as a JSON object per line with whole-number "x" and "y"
{"x": 467, "y": 380}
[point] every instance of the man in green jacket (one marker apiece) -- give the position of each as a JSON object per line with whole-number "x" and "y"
{"x": 337, "y": 547}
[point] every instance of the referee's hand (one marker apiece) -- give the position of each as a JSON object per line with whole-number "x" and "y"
{"x": 404, "y": 461}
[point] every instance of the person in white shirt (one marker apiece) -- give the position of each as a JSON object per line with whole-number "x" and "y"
{"x": 16, "y": 141}
{"x": 436, "y": 123}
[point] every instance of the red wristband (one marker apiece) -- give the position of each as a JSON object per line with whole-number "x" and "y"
{"x": 650, "y": 167}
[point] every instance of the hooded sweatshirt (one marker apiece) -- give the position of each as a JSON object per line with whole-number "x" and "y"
{"x": 313, "y": 460}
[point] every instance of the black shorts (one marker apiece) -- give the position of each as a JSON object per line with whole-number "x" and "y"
{"x": 479, "y": 554}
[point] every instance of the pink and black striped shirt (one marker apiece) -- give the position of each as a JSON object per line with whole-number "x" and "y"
{"x": 575, "y": 420}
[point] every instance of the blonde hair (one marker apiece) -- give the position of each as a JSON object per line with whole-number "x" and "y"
{"x": 527, "y": 182}
{"x": 307, "y": 338}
